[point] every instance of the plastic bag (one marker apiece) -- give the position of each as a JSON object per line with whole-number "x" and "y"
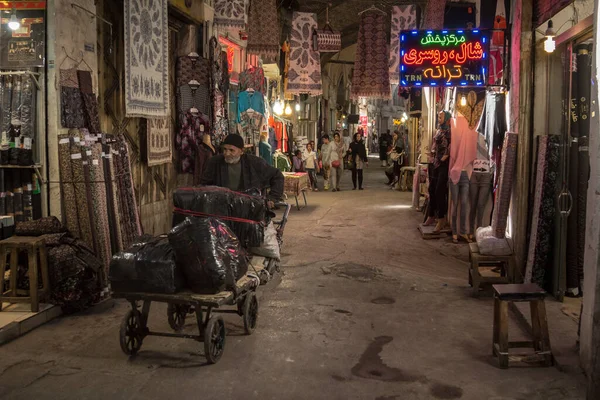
{"x": 209, "y": 254}
{"x": 148, "y": 266}
{"x": 270, "y": 247}
{"x": 490, "y": 245}
{"x": 243, "y": 213}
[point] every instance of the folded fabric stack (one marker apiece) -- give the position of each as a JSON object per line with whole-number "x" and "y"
{"x": 242, "y": 213}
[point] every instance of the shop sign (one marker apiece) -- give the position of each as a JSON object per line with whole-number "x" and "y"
{"x": 363, "y": 120}
{"x": 397, "y": 121}
{"x": 23, "y": 5}
{"x": 443, "y": 57}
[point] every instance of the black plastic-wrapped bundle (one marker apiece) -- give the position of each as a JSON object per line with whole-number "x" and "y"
{"x": 243, "y": 213}
{"x": 18, "y": 195}
{"x": 148, "y": 266}
{"x": 8, "y": 185}
{"x": 209, "y": 254}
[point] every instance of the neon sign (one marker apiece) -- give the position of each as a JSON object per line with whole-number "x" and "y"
{"x": 443, "y": 58}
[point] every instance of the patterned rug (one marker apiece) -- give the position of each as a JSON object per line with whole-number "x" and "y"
{"x": 371, "y": 66}
{"x": 434, "y": 14}
{"x": 231, "y": 13}
{"x": 146, "y": 58}
{"x": 505, "y": 184}
{"x": 158, "y": 137}
{"x": 304, "y": 73}
{"x": 263, "y": 29}
{"x": 403, "y": 17}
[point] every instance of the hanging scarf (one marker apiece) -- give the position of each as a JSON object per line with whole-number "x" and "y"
{"x": 403, "y": 17}
{"x": 304, "y": 74}
{"x": 434, "y": 14}
{"x": 263, "y": 29}
{"x": 231, "y": 13}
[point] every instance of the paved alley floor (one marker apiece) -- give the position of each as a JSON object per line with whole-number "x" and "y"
{"x": 365, "y": 309}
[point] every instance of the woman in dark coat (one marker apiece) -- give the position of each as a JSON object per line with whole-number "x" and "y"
{"x": 384, "y": 142}
{"x": 358, "y": 156}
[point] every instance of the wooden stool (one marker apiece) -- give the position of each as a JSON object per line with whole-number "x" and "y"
{"x": 532, "y": 293}
{"x": 505, "y": 263}
{"x": 34, "y": 246}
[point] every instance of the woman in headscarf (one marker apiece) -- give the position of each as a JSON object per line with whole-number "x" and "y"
{"x": 358, "y": 156}
{"x": 337, "y": 151}
{"x": 438, "y": 184}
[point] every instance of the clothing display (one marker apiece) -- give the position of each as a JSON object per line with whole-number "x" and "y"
{"x": 371, "y": 76}
{"x": 265, "y": 152}
{"x": 146, "y": 59}
{"x": 263, "y": 29}
{"x": 192, "y": 68}
{"x": 540, "y": 253}
{"x": 249, "y": 127}
{"x": 459, "y": 192}
{"x": 253, "y": 78}
{"x": 304, "y": 73}
{"x": 189, "y": 135}
{"x": 505, "y": 184}
{"x": 249, "y": 99}
{"x": 218, "y": 92}
{"x": 190, "y": 97}
{"x": 463, "y": 150}
{"x": 403, "y": 18}
{"x": 281, "y": 162}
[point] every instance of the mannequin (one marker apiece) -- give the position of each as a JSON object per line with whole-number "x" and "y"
{"x": 480, "y": 188}
{"x": 462, "y": 155}
{"x": 205, "y": 150}
{"x": 438, "y": 184}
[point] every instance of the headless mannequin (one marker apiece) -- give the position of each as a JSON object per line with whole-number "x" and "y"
{"x": 462, "y": 155}
{"x": 480, "y": 189}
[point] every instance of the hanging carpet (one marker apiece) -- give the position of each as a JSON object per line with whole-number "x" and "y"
{"x": 146, "y": 59}
{"x": 371, "y": 66}
{"x": 158, "y": 142}
{"x": 403, "y": 17}
{"x": 230, "y": 13}
{"x": 263, "y": 29}
{"x": 434, "y": 14}
{"x": 70, "y": 99}
{"x": 304, "y": 73}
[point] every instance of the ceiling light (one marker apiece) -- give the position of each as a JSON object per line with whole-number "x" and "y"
{"x": 549, "y": 43}
{"x": 288, "y": 109}
{"x": 14, "y": 23}
{"x": 297, "y": 106}
{"x": 463, "y": 101}
{"x": 278, "y": 107}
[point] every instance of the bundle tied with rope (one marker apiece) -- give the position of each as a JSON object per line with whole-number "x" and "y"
{"x": 244, "y": 214}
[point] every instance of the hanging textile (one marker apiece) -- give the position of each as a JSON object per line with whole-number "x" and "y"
{"x": 304, "y": 73}
{"x": 70, "y": 100}
{"x": 403, "y": 17}
{"x": 250, "y": 125}
{"x": 231, "y": 13}
{"x": 90, "y": 103}
{"x": 146, "y": 58}
{"x": 219, "y": 86}
{"x": 505, "y": 183}
{"x": 473, "y": 110}
{"x": 188, "y": 137}
{"x": 371, "y": 66}
{"x": 253, "y": 78}
{"x": 157, "y": 137}
{"x": 193, "y": 69}
{"x": 190, "y": 97}
{"x": 250, "y": 100}
{"x": 25, "y": 152}
{"x": 263, "y": 29}
{"x": 539, "y": 259}
{"x": 434, "y": 14}
{"x": 15, "y": 123}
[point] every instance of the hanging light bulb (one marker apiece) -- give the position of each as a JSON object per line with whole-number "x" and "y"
{"x": 463, "y": 101}
{"x": 278, "y": 107}
{"x": 288, "y": 109}
{"x": 549, "y": 43}
{"x": 14, "y": 23}
{"x": 297, "y": 106}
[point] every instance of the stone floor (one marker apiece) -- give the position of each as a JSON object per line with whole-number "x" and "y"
{"x": 365, "y": 309}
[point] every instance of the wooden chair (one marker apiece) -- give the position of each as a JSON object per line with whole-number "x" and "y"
{"x": 534, "y": 295}
{"x": 505, "y": 263}
{"x": 34, "y": 246}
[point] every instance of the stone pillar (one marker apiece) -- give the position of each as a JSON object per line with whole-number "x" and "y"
{"x": 590, "y": 319}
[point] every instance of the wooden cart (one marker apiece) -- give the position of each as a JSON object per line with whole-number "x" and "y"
{"x": 211, "y": 326}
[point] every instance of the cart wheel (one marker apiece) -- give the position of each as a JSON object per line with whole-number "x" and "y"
{"x": 176, "y": 315}
{"x": 250, "y": 313}
{"x": 214, "y": 339}
{"x": 130, "y": 333}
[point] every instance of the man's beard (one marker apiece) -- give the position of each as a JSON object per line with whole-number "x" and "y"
{"x": 233, "y": 160}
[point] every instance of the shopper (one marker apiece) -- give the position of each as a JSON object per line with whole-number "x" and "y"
{"x": 438, "y": 185}
{"x": 325, "y": 160}
{"x": 265, "y": 149}
{"x": 358, "y": 159}
{"x": 384, "y": 142}
{"x": 297, "y": 162}
{"x": 336, "y": 156}
{"x": 311, "y": 164}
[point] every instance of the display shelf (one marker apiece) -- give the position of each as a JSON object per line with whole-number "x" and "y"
{"x": 35, "y": 167}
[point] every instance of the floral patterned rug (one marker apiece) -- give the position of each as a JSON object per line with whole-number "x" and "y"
{"x": 304, "y": 73}
{"x": 403, "y": 18}
{"x": 231, "y": 13}
{"x": 146, "y": 58}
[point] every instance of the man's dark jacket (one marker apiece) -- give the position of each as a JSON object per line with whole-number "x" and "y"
{"x": 256, "y": 174}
